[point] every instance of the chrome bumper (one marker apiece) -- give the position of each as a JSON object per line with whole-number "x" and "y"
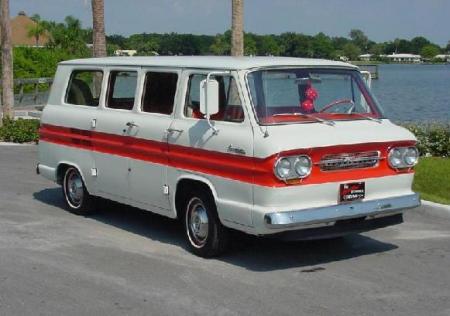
{"x": 324, "y": 216}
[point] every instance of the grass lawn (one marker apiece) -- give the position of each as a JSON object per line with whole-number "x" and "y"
{"x": 432, "y": 179}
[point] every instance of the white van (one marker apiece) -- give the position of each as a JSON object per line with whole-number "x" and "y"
{"x": 287, "y": 147}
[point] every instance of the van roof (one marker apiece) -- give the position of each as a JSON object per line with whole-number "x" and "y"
{"x": 208, "y": 62}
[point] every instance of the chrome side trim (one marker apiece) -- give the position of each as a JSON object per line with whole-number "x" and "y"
{"x": 328, "y": 214}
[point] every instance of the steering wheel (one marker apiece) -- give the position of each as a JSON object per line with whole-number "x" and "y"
{"x": 340, "y": 101}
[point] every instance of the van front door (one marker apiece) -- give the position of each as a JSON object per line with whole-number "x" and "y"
{"x": 223, "y": 157}
{"x": 148, "y": 176}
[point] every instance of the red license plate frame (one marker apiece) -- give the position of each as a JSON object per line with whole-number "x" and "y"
{"x": 354, "y": 191}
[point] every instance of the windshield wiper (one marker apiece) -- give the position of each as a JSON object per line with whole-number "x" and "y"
{"x": 367, "y": 117}
{"x": 317, "y": 119}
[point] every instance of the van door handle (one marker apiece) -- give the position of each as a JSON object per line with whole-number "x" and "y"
{"x": 173, "y": 130}
{"x": 132, "y": 124}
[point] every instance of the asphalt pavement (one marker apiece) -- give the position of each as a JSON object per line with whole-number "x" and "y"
{"x": 125, "y": 261}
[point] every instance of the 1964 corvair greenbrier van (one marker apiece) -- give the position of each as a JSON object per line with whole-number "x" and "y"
{"x": 288, "y": 147}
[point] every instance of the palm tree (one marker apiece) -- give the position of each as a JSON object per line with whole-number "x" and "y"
{"x": 7, "y": 62}
{"x": 98, "y": 34}
{"x": 237, "y": 28}
{"x": 37, "y": 29}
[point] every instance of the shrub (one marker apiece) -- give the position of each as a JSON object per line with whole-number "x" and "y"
{"x": 19, "y": 131}
{"x": 433, "y": 139}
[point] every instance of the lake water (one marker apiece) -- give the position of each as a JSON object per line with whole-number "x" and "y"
{"x": 414, "y": 92}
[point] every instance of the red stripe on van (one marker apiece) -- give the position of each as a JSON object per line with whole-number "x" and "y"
{"x": 257, "y": 171}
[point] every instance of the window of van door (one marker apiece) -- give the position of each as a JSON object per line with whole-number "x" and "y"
{"x": 230, "y": 106}
{"x": 149, "y": 171}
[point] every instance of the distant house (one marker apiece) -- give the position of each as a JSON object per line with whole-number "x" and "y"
{"x": 20, "y": 26}
{"x": 125, "y": 52}
{"x": 404, "y": 58}
{"x": 443, "y": 57}
{"x": 365, "y": 57}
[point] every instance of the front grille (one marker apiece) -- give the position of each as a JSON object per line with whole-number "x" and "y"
{"x": 346, "y": 161}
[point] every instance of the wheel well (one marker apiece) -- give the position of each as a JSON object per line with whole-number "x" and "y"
{"x": 183, "y": 187}
{"x": 60, "y": 172}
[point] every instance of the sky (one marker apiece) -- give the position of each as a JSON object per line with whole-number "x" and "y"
{"x": 381, "y": 20}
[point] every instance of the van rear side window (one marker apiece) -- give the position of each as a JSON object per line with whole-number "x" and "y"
{"x": 84, "y": 87}
{"x": 121, "y": 89}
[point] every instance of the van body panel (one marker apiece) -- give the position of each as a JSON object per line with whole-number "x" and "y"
{"x": 312, "y": 135}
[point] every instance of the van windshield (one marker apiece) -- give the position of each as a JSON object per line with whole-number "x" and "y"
{"x": 283, "y": 96}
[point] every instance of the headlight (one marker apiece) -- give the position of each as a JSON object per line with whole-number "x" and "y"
{"x": 403, "y": 157}
{"x": 411, "y": 156}
{"x": 303, "y": 166}
{"x": 283, "y": 168}
{"x": 294, "y": 167}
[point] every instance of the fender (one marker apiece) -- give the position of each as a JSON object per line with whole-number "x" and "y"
{"x": 72, "y": 164}
{"x": 194, "y": 177}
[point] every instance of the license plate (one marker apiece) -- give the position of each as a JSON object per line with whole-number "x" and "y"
{"x": 352, "y": 191}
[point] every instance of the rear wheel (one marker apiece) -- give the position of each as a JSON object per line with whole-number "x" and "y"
{"x": 206, "y": 235}
{"x": 77, "y": 198}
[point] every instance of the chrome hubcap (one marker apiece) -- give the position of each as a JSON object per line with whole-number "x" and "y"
{"x": 74, "y": 189}
{"x": 197, "y": 222}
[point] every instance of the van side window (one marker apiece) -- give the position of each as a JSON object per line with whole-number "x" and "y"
{"x": 121, "y": 89}
{"x": 159, "y": 92}
{"x": 230, "y": 106}
{"x": 84, "y": 87}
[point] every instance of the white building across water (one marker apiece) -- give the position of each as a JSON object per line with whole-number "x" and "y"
{"x": 404, "y": 58}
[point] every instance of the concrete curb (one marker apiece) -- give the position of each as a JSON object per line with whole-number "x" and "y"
{"x": 16, "y": 144}
{"x": 436, "y": 205}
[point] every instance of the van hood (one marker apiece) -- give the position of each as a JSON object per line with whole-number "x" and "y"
{"x": 312, "y": 135}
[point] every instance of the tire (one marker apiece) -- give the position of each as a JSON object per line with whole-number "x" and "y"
{"x": 205, "y": 234}
{"x": 77, "y": 198}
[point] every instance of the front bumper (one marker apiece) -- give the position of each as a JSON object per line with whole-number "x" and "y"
{"x": 329, "y": 215}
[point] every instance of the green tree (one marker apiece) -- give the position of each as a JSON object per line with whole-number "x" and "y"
{"x": 359, "y": 39}
{"x": 322, "y": 46}
{"x": 221, "y": 45}
{"x": 404, "y": 46}
{"x": 147, "y": 48}
{"x": 417, "y": 43}
{"x": 36, "y": 30}
{"x": 351, "y": 51}
{"x": 378, "y": 49}
{"x": 249, "y": 45}
{"x": 430, "y": 51}
{"x": 267, "y": 45}
{"x": 68, "y": 36}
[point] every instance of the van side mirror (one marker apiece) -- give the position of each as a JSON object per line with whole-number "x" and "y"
{"x": 209, "y": 97}
{"x": 367, "y": 78}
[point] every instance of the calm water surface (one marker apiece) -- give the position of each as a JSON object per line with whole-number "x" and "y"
{"x": 414, "y": 92}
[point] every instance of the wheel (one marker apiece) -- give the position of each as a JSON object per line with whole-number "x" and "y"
{"x": 205, "y": 234}
{"x": 77, "y": 198}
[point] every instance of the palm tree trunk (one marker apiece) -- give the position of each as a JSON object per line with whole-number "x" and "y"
{"x": 7, "y": 62}
{"x": 98, "y": 32}
{"x": 237, "y": 28}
